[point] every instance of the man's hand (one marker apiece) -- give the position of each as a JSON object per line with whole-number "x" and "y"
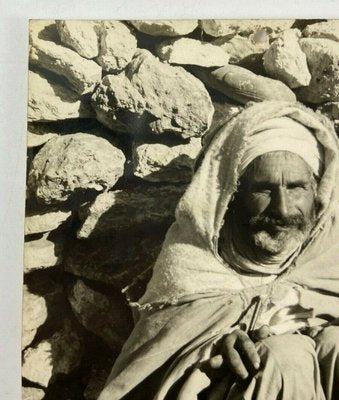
{"x": 239, "y": 353}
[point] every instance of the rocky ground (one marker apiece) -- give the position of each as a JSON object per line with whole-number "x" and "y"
{"x": 116, "y": 113}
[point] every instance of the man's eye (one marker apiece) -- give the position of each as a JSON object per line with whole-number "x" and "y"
{"x": 292, "y": 186}
{"x": 262, "y": 191}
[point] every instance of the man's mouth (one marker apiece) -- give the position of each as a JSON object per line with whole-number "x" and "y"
{"x": 273, "y": 225}
{"x": 281, "y": 228}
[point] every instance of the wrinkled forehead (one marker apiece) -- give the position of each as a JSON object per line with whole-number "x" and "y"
{"x": 276, "y": 166}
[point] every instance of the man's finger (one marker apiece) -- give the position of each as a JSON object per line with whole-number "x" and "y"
{"x": 247, "y": 348}
{"x": 216, "y": 361}
{"x": 262, "y": 333}
{"x": 232, "y": 357}
{"x": 235, "y": 362}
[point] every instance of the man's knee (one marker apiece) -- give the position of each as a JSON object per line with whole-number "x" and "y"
{"x": 328, "y": 340}
{"x": 287, "y": 351}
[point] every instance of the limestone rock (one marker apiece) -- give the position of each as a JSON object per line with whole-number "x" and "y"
{"x": 165, "y": 162}
{"x": 34, "y": 314}
{"x": 179, "y": 104}
{"x": 43, "y": 29}
{"x": 165, "y": 27}
{"x": 39, "y": 133}
{"x": 115, "y": 99}
{"x": 42, "y": 253}
{"x": 191, "y": 51}
{"x": 106, "y": 316}
{"x": 115, "y": 259}
{"x": 82, "y": 74}
{"x": 44, "y": 220}
{"x": 37, "y": 136}
{"x": 48, "y": 286}
{"x": 117, "y": 46}
{"x": 124, "y": 209}
{"x": 32, "y": 393}
{"x": 37, "y": 365}
{"x": 323, "y": 62}
{"x": 80, "y": 35}
{"x": 49, "y": 100}
{"x": 74, "y": 162}
{"x": 325, "y": 30}
{"x": 241, "y": 48}
{"x": 242, "y": 85}
{"x": 331, "y": 110}
{"x": 60, "y": 354}
{"x": 285, "y": 60}
{"x": 231, "y": 27}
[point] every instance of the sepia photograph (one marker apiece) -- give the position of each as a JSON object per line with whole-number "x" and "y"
{"x": 181, "y": 219}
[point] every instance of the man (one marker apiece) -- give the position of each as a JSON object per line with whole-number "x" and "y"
{"x": 244, "y": 295}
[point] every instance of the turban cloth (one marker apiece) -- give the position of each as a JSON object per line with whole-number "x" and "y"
{"x": 284, "y": 134}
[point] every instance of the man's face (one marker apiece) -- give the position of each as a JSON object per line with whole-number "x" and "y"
{"x": 278, "y": 199}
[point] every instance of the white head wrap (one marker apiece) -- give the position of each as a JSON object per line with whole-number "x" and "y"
{"x": 284, "y": 134}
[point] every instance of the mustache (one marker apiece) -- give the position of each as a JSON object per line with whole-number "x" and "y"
{"x": 265, "y": 221}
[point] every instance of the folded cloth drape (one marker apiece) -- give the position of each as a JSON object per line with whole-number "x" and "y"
{"x": 193, "y": 297}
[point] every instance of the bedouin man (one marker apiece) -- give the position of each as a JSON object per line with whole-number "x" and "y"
{"x": 244, "y": 295}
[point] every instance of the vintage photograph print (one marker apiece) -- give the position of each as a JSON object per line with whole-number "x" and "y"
{"x": 181, "y": 225}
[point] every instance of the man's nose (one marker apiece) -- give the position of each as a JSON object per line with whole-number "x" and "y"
{"x": 280, "y": 202}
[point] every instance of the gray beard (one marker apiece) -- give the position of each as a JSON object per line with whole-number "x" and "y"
{"x": 280, "y": 242}
{"x": 268, "y": 238}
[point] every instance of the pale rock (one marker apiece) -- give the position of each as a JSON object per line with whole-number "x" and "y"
{"x": 59, "y": 354}
{"x": 37, "y": 136}
{"x": 44, "y": 220}
{"x": 179, "y": 104}
{"x": 43, "y": 29}
{"x": 106, "y": 316}
{"x": 42, "y": 253}
{"x": 115, "y": 259}
{"x": 34, "y": 314}
{"x": 32, "y": 393}
{"x": 47, "y": 285}
{"x": 116, "y": 95}
{"x": 49, "y": 100}
{"x": 74, "y": 162}
{"x": 37, "y": 366}
{"x": 165, "y": 162}
{"x": 80, "y": 35}
{"x": 165, "y": 27}
{"x": 326, "y": 30}
{"x": 39, "y": 133}
{"x": 284, "y": 60}
{"x": 124, "y": 209}
{"x": 242, "y": 85}
{"x": 323, "y": 62}
{"x": 81, "y": 73}
{"x": 240, "y": 48}
{"x": 231, "y": 27}
{"x": 117, "y": 46}
{"x": 191, "y": 52}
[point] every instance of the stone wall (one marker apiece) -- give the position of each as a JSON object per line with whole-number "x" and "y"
{"x": 116, "y": 113}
